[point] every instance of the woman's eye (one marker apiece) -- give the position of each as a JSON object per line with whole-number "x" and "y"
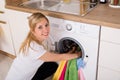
{"x": 47, "y": 25}
{"x": 40, "y": 27}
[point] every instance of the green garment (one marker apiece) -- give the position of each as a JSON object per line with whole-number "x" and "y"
{"x": 71, "y": 71}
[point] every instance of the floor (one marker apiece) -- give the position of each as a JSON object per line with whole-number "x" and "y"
{"x": 5, "y": 63}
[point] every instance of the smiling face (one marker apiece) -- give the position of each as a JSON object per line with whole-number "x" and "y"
{"x": 42, "y": 29}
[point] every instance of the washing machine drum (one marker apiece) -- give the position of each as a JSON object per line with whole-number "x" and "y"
{"x": 67, "y": 44}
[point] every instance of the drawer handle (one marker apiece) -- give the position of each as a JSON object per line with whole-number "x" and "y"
{"x": 2, "y": 12}
{"x": 3, "y": 22}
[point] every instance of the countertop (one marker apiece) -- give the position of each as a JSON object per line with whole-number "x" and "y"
{"x": 102, "y": 14}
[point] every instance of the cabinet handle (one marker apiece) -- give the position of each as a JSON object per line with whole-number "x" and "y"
{"x": 3, "y": 22}
{"x": 2, "y": 12}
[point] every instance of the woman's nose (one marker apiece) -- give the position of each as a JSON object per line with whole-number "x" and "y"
{"x": 45, "y": 29}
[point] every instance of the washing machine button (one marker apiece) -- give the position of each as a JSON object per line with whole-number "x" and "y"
{"x": 68, "y": 27}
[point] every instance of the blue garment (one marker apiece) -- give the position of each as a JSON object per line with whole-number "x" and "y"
{"x": 80, "y": 63}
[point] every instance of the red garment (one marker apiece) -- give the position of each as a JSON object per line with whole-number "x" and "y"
{"x": 63, "y": 72}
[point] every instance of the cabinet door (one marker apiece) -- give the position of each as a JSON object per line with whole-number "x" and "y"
{"x": 109, "y": 61}
{"x": 2, "y": 5}
{"x": 6, "y": 44}
{"x": 107, "y": 74}
{"x": 110, "y": 35}
{"x": 19, "y": 27}
{"x": 109, "y": 54}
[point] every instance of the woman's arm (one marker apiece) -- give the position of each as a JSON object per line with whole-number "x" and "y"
{"x": 51, "y": 56}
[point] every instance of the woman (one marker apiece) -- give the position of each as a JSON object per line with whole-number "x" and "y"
{"x": 33, "y": 53}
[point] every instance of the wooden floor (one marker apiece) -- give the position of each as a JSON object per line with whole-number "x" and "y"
{"x": 5, "y": 63}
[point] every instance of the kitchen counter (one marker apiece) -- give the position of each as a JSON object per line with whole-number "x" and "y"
{"x": 102, "y": 14}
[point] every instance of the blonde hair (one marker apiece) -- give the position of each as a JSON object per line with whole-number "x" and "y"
{"x": 33, "y": 20}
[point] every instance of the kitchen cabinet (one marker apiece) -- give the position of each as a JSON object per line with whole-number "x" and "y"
{"x": 6, "y": 43}
{"x": 19, "y": 27}
{"x": 109, "y": 54}
{"x": 2, "y": 4}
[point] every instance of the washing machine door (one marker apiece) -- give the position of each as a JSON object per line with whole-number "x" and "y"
{"x": 67, "y": 44}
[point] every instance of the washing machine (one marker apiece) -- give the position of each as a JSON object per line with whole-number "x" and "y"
{"x": 84, "y": 36}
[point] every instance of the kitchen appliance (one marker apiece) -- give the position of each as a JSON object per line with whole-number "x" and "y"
{"x": 84, "y": 36}
{"x": 76, "y": 7}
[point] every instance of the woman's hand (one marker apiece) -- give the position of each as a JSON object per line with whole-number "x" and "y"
{"x": 74, "y": 51}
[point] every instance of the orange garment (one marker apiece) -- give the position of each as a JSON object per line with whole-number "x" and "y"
{"x": 59, "y": 70}
{"x": 63, "y": 72}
